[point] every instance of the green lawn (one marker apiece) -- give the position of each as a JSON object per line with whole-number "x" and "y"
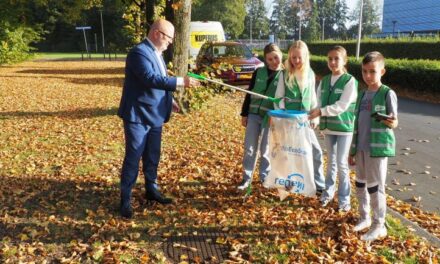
{"x": 74, "y": 55}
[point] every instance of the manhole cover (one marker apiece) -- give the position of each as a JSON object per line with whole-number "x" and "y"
{"x": 198, "y": 245}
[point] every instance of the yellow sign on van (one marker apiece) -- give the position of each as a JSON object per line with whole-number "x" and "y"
{"x": 200, "y": 37}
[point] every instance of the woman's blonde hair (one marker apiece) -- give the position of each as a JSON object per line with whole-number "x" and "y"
{"x": 300, "y": 74}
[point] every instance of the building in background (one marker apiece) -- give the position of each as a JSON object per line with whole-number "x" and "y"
{"x": 410, "y": 16}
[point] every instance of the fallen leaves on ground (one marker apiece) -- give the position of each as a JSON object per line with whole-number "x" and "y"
{"x": 62, "y": 149}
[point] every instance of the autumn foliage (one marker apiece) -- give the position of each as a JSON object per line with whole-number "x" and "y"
{"x": 60, "y": 157}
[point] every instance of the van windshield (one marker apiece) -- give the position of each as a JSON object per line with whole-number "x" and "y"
{"x": 231, "y": 51}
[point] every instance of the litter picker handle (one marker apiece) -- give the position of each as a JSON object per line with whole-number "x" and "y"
{"x": 199, "y": 77}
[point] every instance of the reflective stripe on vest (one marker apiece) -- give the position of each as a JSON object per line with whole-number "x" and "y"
{"x": 343, "y": 122}
{"x": 258, "y": 105}
{"x": 298, "y": 100}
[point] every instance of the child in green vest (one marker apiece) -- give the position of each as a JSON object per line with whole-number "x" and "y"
{"x": 254, "y": 115}
{"x": 337, "y": 95}
{"x": 373, "y": 142}
{"x": 298, "y": 89}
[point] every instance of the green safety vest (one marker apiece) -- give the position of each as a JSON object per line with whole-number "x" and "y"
{"x": 382, "y": 140}
{"x": 297, "y": 100}
{"x": 343, "y": 122}
{"x": 259, "y": 105}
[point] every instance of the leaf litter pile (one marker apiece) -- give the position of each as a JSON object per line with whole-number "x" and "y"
{"x": 60, "y": 157}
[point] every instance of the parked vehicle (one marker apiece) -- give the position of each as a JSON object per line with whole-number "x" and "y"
{"x": 202, "y": 31}
{"x": 233, "y": 62}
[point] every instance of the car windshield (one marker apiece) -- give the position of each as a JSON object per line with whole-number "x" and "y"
{"x": 231, "y": 51}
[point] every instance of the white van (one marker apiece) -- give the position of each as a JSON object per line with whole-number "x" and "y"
{"x": 202, "y": 31}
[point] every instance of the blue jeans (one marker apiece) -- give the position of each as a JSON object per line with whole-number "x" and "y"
{"x": 256, "y": 137}
{"x": 318, "y": 170}
{"x": 337, "y": 163}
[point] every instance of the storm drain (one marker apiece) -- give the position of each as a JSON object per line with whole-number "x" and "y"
{"x": 197, "y": 246}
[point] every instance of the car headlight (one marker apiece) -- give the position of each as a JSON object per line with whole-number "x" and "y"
{"x": 237, "y": 68}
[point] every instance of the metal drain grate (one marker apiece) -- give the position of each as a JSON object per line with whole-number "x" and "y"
{"x": 199, "y": 245}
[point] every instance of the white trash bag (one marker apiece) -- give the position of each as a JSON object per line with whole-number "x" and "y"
{"x": 291, "y": 157}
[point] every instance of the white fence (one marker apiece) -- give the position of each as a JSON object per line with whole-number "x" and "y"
{"x": 284, "y": 44}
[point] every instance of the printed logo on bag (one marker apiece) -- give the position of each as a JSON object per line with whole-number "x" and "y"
{"x": 294, "y": 183}
{"x": 294, "y": 151}
{"x": 338, "y": 91}
{"x": 378, "y": 108}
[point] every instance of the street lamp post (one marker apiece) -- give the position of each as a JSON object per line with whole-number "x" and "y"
{"x": 394, "y": 26}
{"x": 250, "y": 21}
{"x": 358, "y": 46}
{"x": 299, "y": 29}
{"x": 102, "y": 33}
{"x": 323, "y": 25}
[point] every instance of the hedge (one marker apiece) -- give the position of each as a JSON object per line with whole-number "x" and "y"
{"x": 390, "y": 48}
{"x": 417, "y": 75}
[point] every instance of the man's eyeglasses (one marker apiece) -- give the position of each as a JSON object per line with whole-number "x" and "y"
{"x": 166, "y": 35}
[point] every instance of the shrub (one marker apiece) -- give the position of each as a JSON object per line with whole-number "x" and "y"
{"x": 390, "y": 48}
{"x": 418, "y": 75}
{"x": 15, "y": 42}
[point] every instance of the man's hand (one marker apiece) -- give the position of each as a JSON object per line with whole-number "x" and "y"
{"x": 351, "y": 160}
{"x": 190, "y": 82}
{"x": 244, "y": 121}
{"x": 314, "y": 113}
{"x": 176, "y": 108}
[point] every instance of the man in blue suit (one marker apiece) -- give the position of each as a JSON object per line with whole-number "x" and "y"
{"x": 146, "y": 104}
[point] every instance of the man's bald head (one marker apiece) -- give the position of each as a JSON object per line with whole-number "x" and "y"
{"x": 161, "y": 34}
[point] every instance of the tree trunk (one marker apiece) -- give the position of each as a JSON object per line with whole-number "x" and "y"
{"x": 169, "y": 15}
{"x": 149, "y": 13}
{"x": 182, "y": 20}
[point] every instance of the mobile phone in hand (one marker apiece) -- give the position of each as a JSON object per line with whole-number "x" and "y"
{"x": 380, "y": 116}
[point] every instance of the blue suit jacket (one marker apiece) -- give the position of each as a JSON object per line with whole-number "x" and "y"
{"x": 146, "y": 96}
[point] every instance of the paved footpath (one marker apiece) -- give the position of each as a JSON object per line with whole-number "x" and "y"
{"x": 414, "y": 174}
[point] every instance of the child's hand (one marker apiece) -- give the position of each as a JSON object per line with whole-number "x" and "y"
{"x": 314, "y": 113}
{"x": 391, "y": 122}
{"x": 351, "y": 160}
{"x": 244, "y": 121}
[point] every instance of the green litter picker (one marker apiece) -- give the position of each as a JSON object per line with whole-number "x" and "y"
{"x": 202, "y": 78}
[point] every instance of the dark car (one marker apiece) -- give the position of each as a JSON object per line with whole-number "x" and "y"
{"x": 232, "y": 62}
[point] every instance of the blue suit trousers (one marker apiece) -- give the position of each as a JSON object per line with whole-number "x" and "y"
{"x": 141, "y": 141}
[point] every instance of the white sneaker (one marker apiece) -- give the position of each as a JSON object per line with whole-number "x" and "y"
{"x": 244, "y": 185}
{"x": 376, "y": 232}
{"x": 362, "y": 224}
{"x": 325, "y": 202}
{"x": 345, "y": 208}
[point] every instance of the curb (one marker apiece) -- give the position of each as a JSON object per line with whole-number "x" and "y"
{"x": 420, "y": 231}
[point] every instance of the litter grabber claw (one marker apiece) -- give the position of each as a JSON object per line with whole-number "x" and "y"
{"x": 248, "y": 192}
{"x": 203, "y": 78}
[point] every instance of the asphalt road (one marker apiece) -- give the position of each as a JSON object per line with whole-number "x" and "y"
{"x": 414, "y": 174}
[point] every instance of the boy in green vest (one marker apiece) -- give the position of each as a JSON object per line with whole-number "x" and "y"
{"x": 373, "y": 142}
